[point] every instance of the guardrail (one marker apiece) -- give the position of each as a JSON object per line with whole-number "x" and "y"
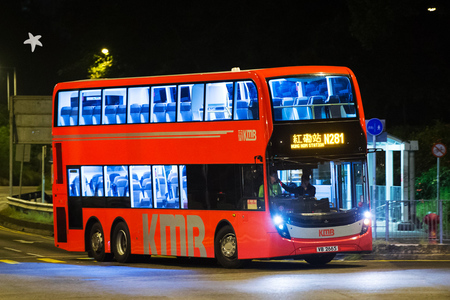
{"x": 29, "y": 201}
{"x": 407, "y": 220}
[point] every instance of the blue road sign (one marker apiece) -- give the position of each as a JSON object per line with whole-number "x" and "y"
{"x": 374, "y": 126}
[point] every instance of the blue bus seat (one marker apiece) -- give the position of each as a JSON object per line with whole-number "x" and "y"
{"x": 145, "y": 109}
{"x": 86, "y": 115}
{"x": 65, "y": 115}
{"x": 135, "y": 113}
{"x": 110, "y": 113}
{"x": 121, "y": 114}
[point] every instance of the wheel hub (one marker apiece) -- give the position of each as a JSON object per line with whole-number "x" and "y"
{"x": 228, "y": 246}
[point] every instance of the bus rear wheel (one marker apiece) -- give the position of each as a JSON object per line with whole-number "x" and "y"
{"x": 320, "y": 259}
{"x": 97, "y": 244}
{"x": 226, "y": 248}
{"x": 121, "y": 246}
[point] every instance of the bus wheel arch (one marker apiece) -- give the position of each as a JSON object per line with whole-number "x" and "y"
{"x": 226, "y": 246}
{"x": 96, "y": 244}
{"x": 121, "y": 241}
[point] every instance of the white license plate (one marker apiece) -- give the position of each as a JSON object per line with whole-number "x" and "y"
{"x": 327, "y": 249}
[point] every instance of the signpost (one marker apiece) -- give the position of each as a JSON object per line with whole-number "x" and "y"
{"x": 439, "y": 150}
{"x": 375, "y": 127}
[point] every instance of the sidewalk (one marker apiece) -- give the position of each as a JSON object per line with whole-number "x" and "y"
{"x": 382, "y": 250}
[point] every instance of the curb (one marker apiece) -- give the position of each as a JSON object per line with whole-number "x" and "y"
{"x": 26, "y": 226}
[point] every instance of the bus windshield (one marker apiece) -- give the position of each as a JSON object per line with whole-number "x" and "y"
{"x": 312, "y": 97}
{"x": 320, "y": 187}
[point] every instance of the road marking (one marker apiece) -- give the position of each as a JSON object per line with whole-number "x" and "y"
{"x": 37, "y": 255}
{"x": 11, "y": 249}
{"x": 24, "y": 242}
{"x": 50, "y": 260}
{"x": 10, "y": 262}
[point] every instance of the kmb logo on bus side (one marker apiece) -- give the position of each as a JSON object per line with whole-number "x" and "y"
{"x": 247, "y": 135}
{"x": 326, "y": 232}
{"x": 189, "y": 236}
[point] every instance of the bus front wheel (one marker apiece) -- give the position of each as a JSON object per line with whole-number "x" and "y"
{"x": 320, "y": 259}
{"x": 97, "y": 244}
{"x": 121, "y": 246}
{"x": 226, "y": 248}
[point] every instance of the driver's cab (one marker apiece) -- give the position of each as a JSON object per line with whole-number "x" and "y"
{"x": 334, "y": 186}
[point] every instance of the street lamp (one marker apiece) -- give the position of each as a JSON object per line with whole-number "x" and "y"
{"x": 105, "y": 51}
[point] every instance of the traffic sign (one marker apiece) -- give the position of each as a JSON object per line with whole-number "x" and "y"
{"x": 439, "y": 150}
{"x": 375, "y": 126}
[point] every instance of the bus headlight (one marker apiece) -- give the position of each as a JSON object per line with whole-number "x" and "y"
{"x": 281, "y": 227}
{"x": 366, "y": 222}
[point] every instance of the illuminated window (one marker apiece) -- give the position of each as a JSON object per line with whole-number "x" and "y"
{"x": 138, "y": 105}
{"x": 74, "y": 182}
{"x": 246, "y": 101}
{"x": 92, "y": 181}
{"x": 67, "y": 108}
{"x": 307, "y": 98}
{"x": 163, "y": 104}
{"x": 141, "y": 186}
{"x": 219, "y": 101}
{"x": 114, "y": 106}
{"x": 91, "y": 107}
{"x": 116, "y": 181}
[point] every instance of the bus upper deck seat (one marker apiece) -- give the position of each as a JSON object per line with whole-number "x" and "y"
{"x": 159, "y": 113}
{"x": 65, "y": 115}
{"x": 145, "y": 109}
{"x": 288, "y": 110}
{"x": 171, "y": 110}
{"x": 86, "y": 115}
{"x": 121, "y": 114}
{"x": 186, "y": 112}
{"x": 110, "y": 113}
{"x": 334, "y": 110}
{"x": 303, "y": 112}
{"x": 74, "y": 116}
{"x": 135, "y": 113}
{"x": 317, "y": 107}
{"x": 242, "y": 112}
{"x": 96, "y": 115}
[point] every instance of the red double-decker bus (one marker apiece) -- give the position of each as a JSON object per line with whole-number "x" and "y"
{"x": 234, "y": 165}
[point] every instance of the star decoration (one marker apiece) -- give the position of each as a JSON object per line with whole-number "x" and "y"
{"x": 33, "y": 41}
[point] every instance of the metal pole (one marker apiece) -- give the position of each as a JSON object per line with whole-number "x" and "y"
{"x": 374, "y": 182}
{"x": 437, "y": 180}
{"x": 441, "y": 227}
{"x": 43, "y": 174}
{"x": 7, "y": 88}
{"x": 387, "y": 220}
{"x": 11, "y": 141}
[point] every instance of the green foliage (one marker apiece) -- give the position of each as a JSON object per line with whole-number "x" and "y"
{"x": 31, "y": 216}
{"x": 426, "y": 183}
{"x": 101, "y": 67}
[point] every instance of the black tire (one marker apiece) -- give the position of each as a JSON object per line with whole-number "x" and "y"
{"x": 97, "y": 244}
{"x": 121, "y": 243}
{"x": 226, "y": 248}
{"x": 320, "y": 259}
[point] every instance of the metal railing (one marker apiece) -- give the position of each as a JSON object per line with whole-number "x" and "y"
{"x": 418, "y": 220}
{"x": 32, "y": 202}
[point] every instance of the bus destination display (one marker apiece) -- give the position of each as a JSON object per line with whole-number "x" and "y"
{"x": 316, "y": 140}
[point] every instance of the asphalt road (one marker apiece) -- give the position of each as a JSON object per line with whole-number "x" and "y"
{"x": 32, "y": 268}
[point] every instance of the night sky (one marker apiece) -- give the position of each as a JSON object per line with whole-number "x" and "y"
{"x": 397, "y": 49}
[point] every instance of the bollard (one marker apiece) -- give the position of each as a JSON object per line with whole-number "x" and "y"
{"x": 432, "y": 220}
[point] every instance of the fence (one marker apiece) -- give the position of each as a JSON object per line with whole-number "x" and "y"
{"x": 415, "y": 220}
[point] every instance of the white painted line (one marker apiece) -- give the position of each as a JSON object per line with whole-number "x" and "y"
{"x": 11, "y": 249}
